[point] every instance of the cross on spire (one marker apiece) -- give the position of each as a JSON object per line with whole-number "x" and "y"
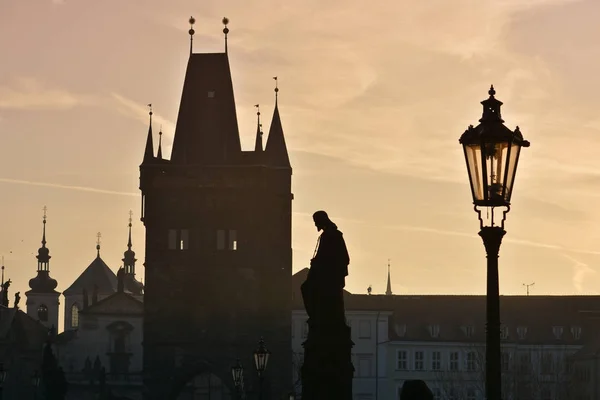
{"x": 45, "y": 209}
{"x": 98, "y": 236}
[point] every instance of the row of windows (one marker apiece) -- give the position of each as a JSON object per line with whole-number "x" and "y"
{"x": 179, "y": 239}
{"x": 469, "y": 331}
{"x": 474, "y": 360}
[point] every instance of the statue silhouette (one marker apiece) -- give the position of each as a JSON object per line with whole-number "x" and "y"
{"x": 322, "y": 291}
{"x": 327, "y": 370}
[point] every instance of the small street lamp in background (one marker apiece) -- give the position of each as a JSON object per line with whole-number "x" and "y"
{"x": 261, "y": 358}
{"x": 2, "y": 379}
{"x": 237, "y": 372}
{"x": 492, "y": 154}
{"x": 35, "y": 382}
{"x": 292, "y": 396}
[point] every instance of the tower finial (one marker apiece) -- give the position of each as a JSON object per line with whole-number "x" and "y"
{"x": 98, "y": 236}
{"x": 388, "y": 291}
{"x": 2, "y": 270}
{"x": 258, "y": 145}
{"x": 492, "y": 91}
{"x": 130, "y": 219}
{"x": 44, "y": 229}
{"x": 159, "y": 152}
{"x": 150, "y": 112}
{"x": 225, "y": 31}
{"x": 276, "y": 89}
{"x": 192, "y": 21}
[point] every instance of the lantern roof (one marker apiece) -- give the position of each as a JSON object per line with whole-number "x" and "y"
{"x": 491, "y": 128}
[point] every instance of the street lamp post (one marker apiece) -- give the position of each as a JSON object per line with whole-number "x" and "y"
{"x": 492, "y": 154}
{"x": 237, "y": 372}
{"x": 35, "y": 382}
{"x": 2, "y": 379}
{"x": 261, "y": 358}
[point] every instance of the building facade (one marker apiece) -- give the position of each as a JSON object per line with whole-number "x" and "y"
{"x": 218, "y": 262}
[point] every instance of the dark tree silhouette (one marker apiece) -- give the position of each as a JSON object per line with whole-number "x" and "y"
{"x": 53, "y": 377}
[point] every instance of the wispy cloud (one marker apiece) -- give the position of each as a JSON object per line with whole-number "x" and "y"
{"x": 139, "y": 112}
{"x": 69, "y": 187}
{"x": 580, "y": 271}
{"x": 31, "y": 94}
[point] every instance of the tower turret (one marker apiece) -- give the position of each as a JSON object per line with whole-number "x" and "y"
{"x": 276, "y": 150}
{"x": 130, "y": 284}
{"x": 43, "y": 299}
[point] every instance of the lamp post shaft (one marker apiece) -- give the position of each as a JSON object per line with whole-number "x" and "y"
{"x": 492, "y": 238}
{"x": 260, "y": 387}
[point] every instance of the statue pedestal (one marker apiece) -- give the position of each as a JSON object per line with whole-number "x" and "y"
{"x": 327, "y": 370}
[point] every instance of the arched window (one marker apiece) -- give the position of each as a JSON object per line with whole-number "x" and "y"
{"x": 43, "y": 313}
{"x": 74, "y": 316}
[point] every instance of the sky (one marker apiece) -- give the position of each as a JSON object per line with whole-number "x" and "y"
{"x": 372, "y": 98}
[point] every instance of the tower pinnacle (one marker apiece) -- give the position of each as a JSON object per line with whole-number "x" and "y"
{"x": 98, "y": 236}
{"x": 159, "y": 152}
{"x": 149, "y": 151}
{"x": 388, "y": 291}
{"x": 192, "y": 21}
{"x": 43, "y": 256}
{"x": 225, "y": 31}
{"x": 258, "y": 145}
{"x": 43, "y": 283}
{"x": 276, "y": 89}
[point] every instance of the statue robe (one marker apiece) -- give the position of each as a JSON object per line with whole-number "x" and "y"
{"x": 323, "y": 290}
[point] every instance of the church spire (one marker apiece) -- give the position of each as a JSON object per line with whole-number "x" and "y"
{"x": 388, "y": 291}
{"x": 258, "y": 145}
{"x": 43, "y": 283}
{"x": 276, "y": 149}
{"x": 43, "y": 256}
{"x": 129, "y": 255}
{"x": 159, "y": 152}
{"x": 149, "y": 152}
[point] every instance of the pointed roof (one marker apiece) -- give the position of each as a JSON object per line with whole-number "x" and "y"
{"x": 258, "y": 143}
{"x": 43, "y": 283}
{"x": 120, "y": 303}
{"x": 97, "y": 273}
{"x": 276, "y": 150}
{"x": 149, "y": 151}
{"x": 128, "y": 279}
{"x": 207, "y": 130}
{"x": 388, "y": 291}
{"x": 159, "y": 152}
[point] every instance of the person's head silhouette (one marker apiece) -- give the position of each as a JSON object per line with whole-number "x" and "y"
{"x": 322, "y": 220}
{"x": 415, "y": 390}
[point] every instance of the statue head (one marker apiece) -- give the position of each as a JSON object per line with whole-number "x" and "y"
{"x": 322, "y": 220}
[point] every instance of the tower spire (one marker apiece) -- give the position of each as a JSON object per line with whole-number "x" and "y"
{"x": 2, "y": 270}
{"x": 258, "y": 145}
{"x": 128, "y": 269}
{"x": 43, "y": 256}
{"x": 192, "y": 21}
{"x": 98, "y": 236}
{"x": 388, "y": 291}
{"x": 159, "y": 152}
{"x": 276, "y": 150}
{"x": 225, "y": 31}
{"x": 149, "y": 151}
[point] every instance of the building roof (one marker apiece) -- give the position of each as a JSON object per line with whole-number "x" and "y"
{"x": 96, "y": 274}
{"x": 207, "y": 129}
{"x": 120, "y": 303}
{"x": 461, "y": 318}
{"x": 17, "y": 326}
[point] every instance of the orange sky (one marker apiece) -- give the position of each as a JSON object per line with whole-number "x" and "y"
{"x": 373, "y": 101}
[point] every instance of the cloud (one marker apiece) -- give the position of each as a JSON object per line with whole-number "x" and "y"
{"x": 69, "y": 187}
{"x": 30, "y": 94}
{"x": 139, "y": 111}
{"x": 580, "y": 271}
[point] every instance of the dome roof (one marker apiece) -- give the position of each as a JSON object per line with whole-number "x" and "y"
{"x": 43, "y": 283}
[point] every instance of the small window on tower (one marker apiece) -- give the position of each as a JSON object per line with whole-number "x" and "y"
{"x": 42, "y": 313}
{"x": 220, "y": 239}
{"x": 172, "y": 239}
{"x": 232, "y": 240}
{"x": 211, "y": 94}
{"x": 184, "y": 240}
{"x": 74, "y": 316}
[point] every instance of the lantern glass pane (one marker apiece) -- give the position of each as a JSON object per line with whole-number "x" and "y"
{"x": 473, "y": 155}
{"x": 511, "y": 166}
{"x": 495, "y": 166}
